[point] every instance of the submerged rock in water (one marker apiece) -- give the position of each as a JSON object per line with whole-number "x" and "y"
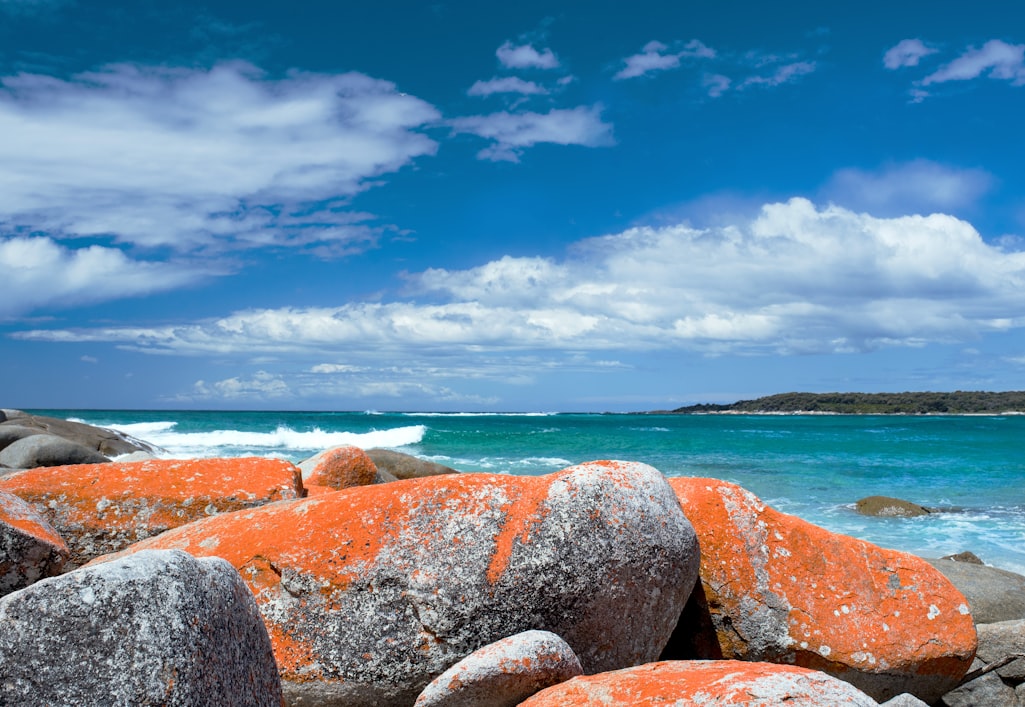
{"x": 370, "y": 593}
{"x": 890, "y": 507}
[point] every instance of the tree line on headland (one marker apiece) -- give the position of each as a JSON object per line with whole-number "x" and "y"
{"x": 908, "y": 403}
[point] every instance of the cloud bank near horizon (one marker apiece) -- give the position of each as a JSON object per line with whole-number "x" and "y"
{"x": 796, "y": 278}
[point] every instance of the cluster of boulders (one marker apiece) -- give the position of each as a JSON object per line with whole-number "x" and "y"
{"x": 374, "y": 578}
{"x": 28, "y": 441}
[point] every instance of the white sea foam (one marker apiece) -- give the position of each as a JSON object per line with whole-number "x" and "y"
{"x": 235, "y": 442}
{"x": 479, "y": 414}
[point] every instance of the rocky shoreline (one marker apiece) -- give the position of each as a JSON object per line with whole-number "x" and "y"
{"x": 373, "y": 578}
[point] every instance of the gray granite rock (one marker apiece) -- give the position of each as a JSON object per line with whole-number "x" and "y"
{"x": 47, "y": 450}
{"x": 100, "y": 439}
{"x": 1002, "y": 639}
{"x": 993, "y": 594}
{"x": 157, "y": 628}
{"x": 12, "y": 433}
{"x": 986, "y": 691}
{"x": 405, "y": 466}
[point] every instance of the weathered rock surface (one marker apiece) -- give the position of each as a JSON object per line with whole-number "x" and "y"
{"x": 12, "y": 433}
{"x": 370, "y": 593}
{"x": 986, "y": 691}
{"x": 779, "y": 589}
{"x": 30, "y": 549}
{"x": 904, "y": 700}
{"x": 47, "y": 450}
{"x": 999, "y": 640}
{"x": 406, "y": 466}
{"x": 157, "y": 628}
{"x": 504, "y": 673}
{"x": 102, "y": 508}
{"x": 339, "y": 468}
{"x": 110, "y": 443}
{"x": 892, "y": 507}
{"x": 993, "y": 594}
{"x": 720, "y": 682}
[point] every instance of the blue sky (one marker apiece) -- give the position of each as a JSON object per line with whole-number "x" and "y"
{"x": 587, "y": 205}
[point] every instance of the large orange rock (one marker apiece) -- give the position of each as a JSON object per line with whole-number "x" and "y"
{"x": 30, "y": 549}
{"x": 777, "y": 588}
{"x": 369, "y": 593}
{"x": 102, "y": 508}
{"x": 719, "y": 682}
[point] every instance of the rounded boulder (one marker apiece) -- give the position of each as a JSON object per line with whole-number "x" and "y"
{"x": 43, "y": 449}
{"x": 156, "y": 628}
{"x": 339, "y": 468}
{"x": 504, "y": 673}
{"x": 370, "y": 593}
{"x": 776, "y": 588}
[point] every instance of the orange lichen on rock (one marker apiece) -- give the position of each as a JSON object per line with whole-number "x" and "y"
{"x": 780, "y": 589}
{"x": 368, "y": 593}
{"x": 30, "y": 549}
{"x": 339, "y": 468}
{"x": 102, "y": 508}
{"x": 683, "y": 683}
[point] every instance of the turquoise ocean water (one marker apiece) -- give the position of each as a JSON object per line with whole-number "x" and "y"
{"x": 814, "y": 466}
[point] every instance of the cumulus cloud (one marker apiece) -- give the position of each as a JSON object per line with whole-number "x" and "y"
{"x": 508, "y": 84}
{"x": 995, "y": 58}
{"x": 37, "y": 272}
{"x": 525, "y": 56}
{"x": 655, "y": 56}
{"x": 907, "y": 52}
{"x": 201, "y": 159}
{"x": 511, "y": 133}
{"x": 794, "y": 278}
{"x": 920, "y": 186}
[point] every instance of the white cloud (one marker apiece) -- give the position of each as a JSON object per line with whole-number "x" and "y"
{"x": 197, "y": 159}
{"x": 717, "y": 84}
{"x": 511, "y": 133}
{"x": 37, "y": 272}
{"x": 654, "y": 56}
{"x": 261, "y": 386}
{"x": 795, "y": 278}
{"x": 996, "y": 58}
{"x": 524, "y": 56}
{"x": 920, "y": 186}
{"x": 782, "y": 74}
{"x": 508, "y": 84}
{"x": 907, "y": 52}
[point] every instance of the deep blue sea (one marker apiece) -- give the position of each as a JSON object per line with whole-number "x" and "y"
{"x": 814, "y": 466}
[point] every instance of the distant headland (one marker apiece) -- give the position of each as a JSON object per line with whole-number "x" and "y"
{"x": 925, "y": 403}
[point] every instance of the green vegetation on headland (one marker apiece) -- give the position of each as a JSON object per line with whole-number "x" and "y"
{"x": 956, "y": 403}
